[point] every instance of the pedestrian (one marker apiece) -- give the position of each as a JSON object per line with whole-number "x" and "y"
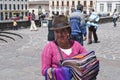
{"x": 78, "y": 25}
{"x": 40, "y": 19}
{"x": 50, "y": 35}
{"x": 29, "y": 16}
{"x": 50, "y": 54}
{"x": 115, "y": 17}
{"x": 33, "y": 25}
{"x": 67, "y": 14}
{"x": 92, "y": 26}
{"x": 15, "y": 27}
{"x": 73, "y": 9}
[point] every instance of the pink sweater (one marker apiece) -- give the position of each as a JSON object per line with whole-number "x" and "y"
{"x": 51, "y": 56}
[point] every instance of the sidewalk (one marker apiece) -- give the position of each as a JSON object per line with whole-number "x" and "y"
{"x": 20, "y": 59}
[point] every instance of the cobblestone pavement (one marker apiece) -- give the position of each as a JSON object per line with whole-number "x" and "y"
{"x": 20, "y": 59}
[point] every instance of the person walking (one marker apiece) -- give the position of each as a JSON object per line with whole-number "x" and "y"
{"x": 115, "y": 16}
{"x": 33, "y": 25}
{"x": 50, "y": 36}
{"x": 78, "y": 25}
{"x": 92, "y": 26}
{"x": 50, "y": 53}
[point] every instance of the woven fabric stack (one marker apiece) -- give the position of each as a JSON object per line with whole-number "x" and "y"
{"x": 83, "y": 66}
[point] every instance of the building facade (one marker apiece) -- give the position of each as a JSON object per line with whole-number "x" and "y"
{"x": 39, "y": 6}
{"x": 63, "y": 6}
{"x": 13, "y": 8}
{"x": 107, "y": 6}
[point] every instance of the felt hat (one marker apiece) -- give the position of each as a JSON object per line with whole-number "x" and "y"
{"x": 60, "y": 22}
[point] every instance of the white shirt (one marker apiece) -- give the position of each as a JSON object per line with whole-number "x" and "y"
{"x": 67, "y": 51}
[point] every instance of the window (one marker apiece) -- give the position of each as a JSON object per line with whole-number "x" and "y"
{"x": 10, "y": 14}
{"x": 1, "y": 16}
{"x": 26, "y": 6}
{"x": 91, "y": 3}
{"x": 1, "y": 7}
{"x": 62, "y": 3}
{"x": 22, "y": 6}
{"x": 84, "y": 3}
{"x": 26, "y": 13}
{"x": 67, "y": 3}
{"x": 18, "y": 6}
{"x": 73, "y": 3}
{"x": 101, "y": 7}
{"x": 57, "y": 3}
{"x": 109, "y": 7}
{"x": 6, "y": 15}
{"x": 118, "y": 7}
{"x": 9, "y": 6}
{"x": 52, "y": 3}
{"x": 5, "y": 6}
{"x": 14, "y": 7}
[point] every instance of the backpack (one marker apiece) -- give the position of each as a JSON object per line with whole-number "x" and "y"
{"x": 75, "y": 25}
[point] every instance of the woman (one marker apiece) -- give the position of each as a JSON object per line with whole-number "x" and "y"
{"x": 69, "y": 48}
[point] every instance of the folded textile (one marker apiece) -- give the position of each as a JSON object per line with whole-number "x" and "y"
{"x": 83, "y": 65}
{"x": 62, "y": 73}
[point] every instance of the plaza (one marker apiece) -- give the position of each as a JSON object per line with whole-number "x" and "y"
{"x": 21, "y": 59}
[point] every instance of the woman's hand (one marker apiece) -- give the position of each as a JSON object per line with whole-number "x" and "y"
{"x": 49, "y": 72}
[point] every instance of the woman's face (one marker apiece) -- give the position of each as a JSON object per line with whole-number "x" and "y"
{"x": 61, "y": 35}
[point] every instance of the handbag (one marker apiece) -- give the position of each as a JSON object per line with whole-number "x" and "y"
{"x": 83, "y": 66}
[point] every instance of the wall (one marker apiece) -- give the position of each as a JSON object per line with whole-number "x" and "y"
{"x": 26, "y": 23}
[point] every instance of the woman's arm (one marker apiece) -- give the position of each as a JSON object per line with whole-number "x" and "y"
{"x": 46, "y": 58}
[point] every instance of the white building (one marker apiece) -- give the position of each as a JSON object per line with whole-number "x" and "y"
{"x": 107, "y": 6}
{"x": 62, "y": 6}
{"x": 10, "y": 8}
{"x": 39, "y": 6}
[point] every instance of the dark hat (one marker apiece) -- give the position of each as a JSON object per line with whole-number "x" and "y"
{"x": 60, "y": 22}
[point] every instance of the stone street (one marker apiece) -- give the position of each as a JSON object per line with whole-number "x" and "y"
{"x": 21, "y": 59}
